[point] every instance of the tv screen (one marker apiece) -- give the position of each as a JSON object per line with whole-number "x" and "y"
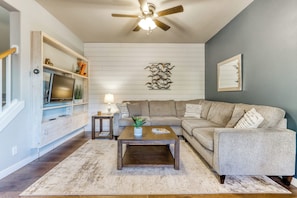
{"x": 61, "y": 88}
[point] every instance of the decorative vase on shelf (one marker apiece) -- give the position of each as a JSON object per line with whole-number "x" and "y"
{"x": 137, "y": 131}
{"x": 138, "y": 123}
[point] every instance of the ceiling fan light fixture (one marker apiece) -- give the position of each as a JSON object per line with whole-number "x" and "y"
{"x": 147, "y": 23}
{"x": 149, "y": 18}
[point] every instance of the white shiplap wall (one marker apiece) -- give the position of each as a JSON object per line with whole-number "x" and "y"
{"x": 118, "y": 68}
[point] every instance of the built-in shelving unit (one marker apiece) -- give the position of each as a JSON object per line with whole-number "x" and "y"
{"x": 57, "y": 119}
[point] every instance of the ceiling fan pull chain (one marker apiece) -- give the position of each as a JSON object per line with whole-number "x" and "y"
{"x": 149, "y": 31}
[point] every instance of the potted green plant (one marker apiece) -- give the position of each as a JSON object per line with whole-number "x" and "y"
{"x": 78, "y": 94}
{"x": 138, "y": 123}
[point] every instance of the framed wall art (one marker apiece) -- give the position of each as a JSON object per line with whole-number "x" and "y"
{"x": 229, "y": 74}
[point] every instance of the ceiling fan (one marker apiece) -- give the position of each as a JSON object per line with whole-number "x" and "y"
{"x": 148, "y": 19}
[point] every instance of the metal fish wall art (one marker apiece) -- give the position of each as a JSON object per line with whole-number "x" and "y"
{"x": 160, "y": 76}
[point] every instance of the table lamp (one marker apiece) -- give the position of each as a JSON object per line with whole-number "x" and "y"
{"x": 108, "y": 98}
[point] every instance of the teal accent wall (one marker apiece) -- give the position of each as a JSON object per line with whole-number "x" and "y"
{"x": 266, "y": 34}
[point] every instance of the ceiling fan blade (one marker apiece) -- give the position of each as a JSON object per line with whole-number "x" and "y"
{"x": 161, "y": 25}
{"x": 144, "y": 6}
{"x": 125, "y": 15}
{"x": 172, "y": 10}
{"x": 137, "y": 28}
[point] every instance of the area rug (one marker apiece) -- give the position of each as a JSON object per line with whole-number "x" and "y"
{"x": 92, "y": 170}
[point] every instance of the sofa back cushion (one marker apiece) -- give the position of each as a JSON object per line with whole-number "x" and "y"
{"x": 220, "y": 112}
{"x": 272, "y": 115}
{"x": 205, "y": 108}
{"x": 162, "y": 108}
{"x": 181, "y": 106}
{"x": 134, "y": 109}
{"x": 143, "y": 104}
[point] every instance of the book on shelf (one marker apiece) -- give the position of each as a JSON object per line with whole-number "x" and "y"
{"x": 160, "y": 131}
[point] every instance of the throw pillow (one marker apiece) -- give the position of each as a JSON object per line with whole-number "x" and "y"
{"x": 124, "y": 113}
{"x": 193, "y": 110}
{"x": 251, "y": 119}
{"x": 134, "y": 109}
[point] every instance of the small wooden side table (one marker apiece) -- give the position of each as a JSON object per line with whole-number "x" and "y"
{"x": 102, "y": 134}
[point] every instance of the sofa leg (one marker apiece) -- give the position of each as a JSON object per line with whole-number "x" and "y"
{"x": 222, "y": 179}
{"x": 287, "y": 180}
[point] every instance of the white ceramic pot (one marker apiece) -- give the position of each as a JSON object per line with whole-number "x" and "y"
{"x": 138, "y": 131}
{"x": 78, "y": 101}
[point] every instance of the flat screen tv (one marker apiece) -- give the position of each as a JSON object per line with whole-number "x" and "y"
{"x": 61, "y": 88}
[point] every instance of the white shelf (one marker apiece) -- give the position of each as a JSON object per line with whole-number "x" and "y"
{"x": 54, "y": 68}
{"x": 83, "y": 103}
{"x": 56, "y": 107}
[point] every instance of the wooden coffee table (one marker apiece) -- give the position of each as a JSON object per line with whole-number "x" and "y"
{"x": 148, "y": 150}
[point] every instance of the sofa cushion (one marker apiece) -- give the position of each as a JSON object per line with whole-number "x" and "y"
{"x": 181, "y": 106}
{"x": 205, "y": 108}
{"x": 162, "y": 108}
{"x": 134, "y": 109}
{"x": 272, "y": 115}
{"x": 190, "y": 124}
{"x": 144, "y": 106}
{"x": 125, "y": 122}
{"x": 205, "y": 137}
{"x": 251, "y": 119}
{"x": 193, "y": 110}
{"x": 220, "y": 112}
{"x": 129, "y": 122}
{"x": 168, "y": 121}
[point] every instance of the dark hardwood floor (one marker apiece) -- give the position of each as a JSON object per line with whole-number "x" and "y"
{"x": 12, "y": 185}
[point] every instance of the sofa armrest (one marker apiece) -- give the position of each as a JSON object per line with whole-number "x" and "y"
{"x": 261, "y": 151}
{"x": 116, "y": 117}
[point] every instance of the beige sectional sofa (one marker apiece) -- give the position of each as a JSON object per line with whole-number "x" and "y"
{"x": 269, "y": 149}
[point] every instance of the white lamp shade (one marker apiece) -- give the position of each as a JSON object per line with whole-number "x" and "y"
{"x": 108, "y": 98}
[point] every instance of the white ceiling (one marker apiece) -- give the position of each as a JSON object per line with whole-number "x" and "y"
{"x": 91, "y": 20}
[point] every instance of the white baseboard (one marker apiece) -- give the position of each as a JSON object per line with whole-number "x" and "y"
{"x": 294, "y": 182}
{"x": 17, "y": 166}
{"x": 33, "y": 157}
